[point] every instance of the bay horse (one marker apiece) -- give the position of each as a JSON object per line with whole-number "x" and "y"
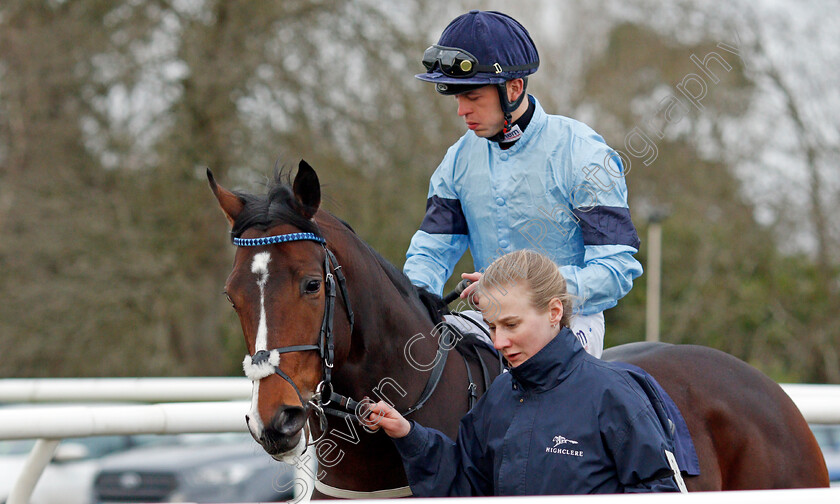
{"x": 326, "y": 319}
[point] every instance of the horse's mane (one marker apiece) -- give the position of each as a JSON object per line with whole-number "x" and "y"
{"x": 278, "y": 206}
{"x": 432, "y": 303}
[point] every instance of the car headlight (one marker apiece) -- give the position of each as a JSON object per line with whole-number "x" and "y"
{"x": 230, "y": 474}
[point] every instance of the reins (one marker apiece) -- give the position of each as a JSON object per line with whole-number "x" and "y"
{"x": 349, "y": 408}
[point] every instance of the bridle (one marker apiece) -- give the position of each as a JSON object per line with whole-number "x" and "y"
{"x": 266, "y": 362}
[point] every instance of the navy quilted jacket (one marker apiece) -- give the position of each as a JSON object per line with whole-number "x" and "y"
{"x": 562, "y": 422}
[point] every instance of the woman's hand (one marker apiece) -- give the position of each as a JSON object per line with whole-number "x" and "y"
{"x": 383, "y": 415}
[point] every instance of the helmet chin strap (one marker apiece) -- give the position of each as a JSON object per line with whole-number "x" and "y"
{"x": 509, "y": 107}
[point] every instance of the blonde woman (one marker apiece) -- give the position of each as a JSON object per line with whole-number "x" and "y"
{"x": 560, "y": 422}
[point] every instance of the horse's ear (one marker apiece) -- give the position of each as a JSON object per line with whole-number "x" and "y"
{"x": 307, "y": 190}
{"x": 230, "y": 203}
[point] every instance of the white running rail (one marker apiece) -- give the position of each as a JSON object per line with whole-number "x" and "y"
{"x": 50, "y": 424}
{"x": 220, "y": 406}
{"x": 21, "y": 390}
{"x": 818, "y": 403}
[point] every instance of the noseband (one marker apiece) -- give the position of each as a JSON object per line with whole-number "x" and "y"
{"x": 266, "y": 362}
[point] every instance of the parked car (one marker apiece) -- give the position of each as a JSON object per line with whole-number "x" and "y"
{"x": 199, "y": 468}
{"x": 828, "y": 436}
{"x": 69, "y": 477}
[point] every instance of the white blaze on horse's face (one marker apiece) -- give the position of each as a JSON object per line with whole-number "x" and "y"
{"x": 259, "y": 267}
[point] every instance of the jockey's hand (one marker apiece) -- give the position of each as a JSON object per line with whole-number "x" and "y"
{"x": 471, "y": 292}
{"x": 383, "y": 415}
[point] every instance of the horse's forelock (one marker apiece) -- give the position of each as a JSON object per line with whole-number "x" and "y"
{"x": 277, "y": 207}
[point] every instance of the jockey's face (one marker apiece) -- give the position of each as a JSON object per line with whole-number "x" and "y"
{"x": 518, "y": 329}
{"x": 482, "y": 111}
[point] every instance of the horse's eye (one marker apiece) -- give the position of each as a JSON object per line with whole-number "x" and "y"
{"x": 312, "y": 286}
{"x": 227, "y": 296}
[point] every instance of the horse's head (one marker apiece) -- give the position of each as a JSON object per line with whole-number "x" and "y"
{"x": 283, "y": 290}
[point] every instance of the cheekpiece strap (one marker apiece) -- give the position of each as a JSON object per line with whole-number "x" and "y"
{"x": 283, "y": 238}
{"x": 327, "y": 343}
{"x": 342, "y": 284}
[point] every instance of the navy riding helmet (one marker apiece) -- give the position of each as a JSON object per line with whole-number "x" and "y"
{"x": 480, "y": 48}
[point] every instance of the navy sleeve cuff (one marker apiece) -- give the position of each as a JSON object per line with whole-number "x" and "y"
{"x": 414, "y": 443}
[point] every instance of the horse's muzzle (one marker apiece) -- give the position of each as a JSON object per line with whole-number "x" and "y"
{"x": 283, "y": 433}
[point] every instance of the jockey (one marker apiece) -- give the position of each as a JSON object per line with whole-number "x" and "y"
{"x": 521, "y": 178}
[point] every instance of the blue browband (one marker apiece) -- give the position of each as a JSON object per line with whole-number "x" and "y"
{"x": 270, "y": 240}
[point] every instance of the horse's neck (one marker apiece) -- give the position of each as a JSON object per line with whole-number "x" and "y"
{"x": 386, "y": 321}
{"x": 393, "y": 332}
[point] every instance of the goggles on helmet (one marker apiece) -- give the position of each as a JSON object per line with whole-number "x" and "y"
{"x": 458, "y": 63}
{"x": 452, "y": 61}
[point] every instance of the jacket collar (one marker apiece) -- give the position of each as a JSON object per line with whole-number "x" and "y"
{"x": 538, "y": 121}
{"x": 552, "y": 364}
